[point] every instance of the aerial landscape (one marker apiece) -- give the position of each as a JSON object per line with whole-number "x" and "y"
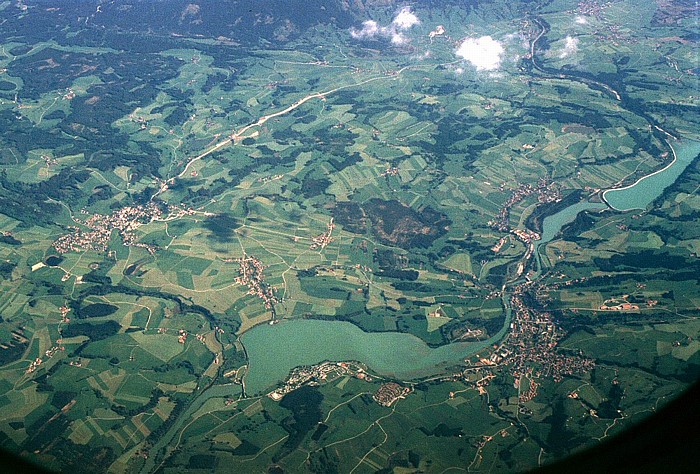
{"x": 344, "y": 236}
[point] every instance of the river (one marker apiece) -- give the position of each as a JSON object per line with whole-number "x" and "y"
{"x": 157, "y": 451}
{"x": 551, "y": 225}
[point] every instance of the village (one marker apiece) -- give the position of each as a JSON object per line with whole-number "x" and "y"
{"x": 321, "y": 241}
{"x": 528, "y": 353}
{"x": 125, "y": 221}
{"x": 386, "y": 395}
{"x": 531, "y": 348}
{"x": 321, "y": 373}
{"x": 546, "y": 192}
{"x": 251, "y": 275}
{"x": 389, "y": 393}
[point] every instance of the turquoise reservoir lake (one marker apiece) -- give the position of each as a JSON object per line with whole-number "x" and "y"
{"x": 274, "y": 350}
{"x": 640, "y": 194}
{"x": 636, "y": 196}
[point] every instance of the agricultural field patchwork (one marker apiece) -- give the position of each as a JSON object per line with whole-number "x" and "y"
{"x": 343, "y": 236}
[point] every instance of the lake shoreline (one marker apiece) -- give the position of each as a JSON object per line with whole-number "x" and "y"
{"x": 676, "y": 161}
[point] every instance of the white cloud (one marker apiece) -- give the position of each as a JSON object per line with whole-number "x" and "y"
{"x": 484, "y": 53}
{"x": 581, "y": 20}
{"x": 570, "y": 47}
{"x": 369, "y": 30}
{"x": 405, "y": 19}
{"x": 398, "y": 38}
{"x": 424, "y": 55}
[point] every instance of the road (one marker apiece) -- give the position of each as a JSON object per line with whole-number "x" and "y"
{"x": 261, "y": 121}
